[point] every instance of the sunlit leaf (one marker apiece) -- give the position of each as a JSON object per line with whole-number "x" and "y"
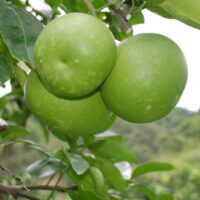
{"x": 79, "y": 164}
{"x": 112, "y": 174}
{"x": 184, "y": 10}
{"x": 19, "y": 30}
{"x": 45, "y": 167}
{"x": 35, "y": 146}
{"x": 152, "y": 167}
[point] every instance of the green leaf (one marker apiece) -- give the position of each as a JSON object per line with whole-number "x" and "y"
{"x": 112, "y": 174}
{"x": 79, "y": 164}
{"x": 84, "y": 195}
{"x": 54, "y": 3}
{"x": 98, "y": 3}
{"x": 75, "y": 6}
{"x": 137, "y": 18}
{"x": 84, "y": 181}
{"x": 108, "y": 137}
{"x": 186, "y": 11}
{"x": 5, "y": 70}
{"x": 59, "y": 135}
{"x": 35, "y": 146}
{"x": 166, "y": 196}
{"x": 148, "y": 192}
{"x": 45, "y": 167}
{"x": 113, "y": 150}
{"x": 152, "y": 167}
{"x": 154, "y": 2}
{"x": 99, "y": 183}
{"x": 14, "y": 132}
{"x": 19, "y": 30}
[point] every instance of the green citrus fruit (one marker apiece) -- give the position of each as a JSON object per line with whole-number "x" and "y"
{"x": 78, "y": 117}
{"x": 147, "y": 80}
{"x": 108, "y": 124}
{"x": 74, "y": 54}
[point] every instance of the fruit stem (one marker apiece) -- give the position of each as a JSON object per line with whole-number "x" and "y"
{"x": 90, "y": 7}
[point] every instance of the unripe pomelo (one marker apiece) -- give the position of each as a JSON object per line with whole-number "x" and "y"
{"x": 78, "y": 117}
{"x": 147, "y": 80}
{"x": 74, "y": 54}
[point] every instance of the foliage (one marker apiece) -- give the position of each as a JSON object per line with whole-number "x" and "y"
{"x": 86, "y": 167}
{"x": 175, "y": 139}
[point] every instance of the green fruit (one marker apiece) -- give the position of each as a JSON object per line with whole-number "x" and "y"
{"x": 74, "y": 117}
{"x": 74, "y": 54}
{"x": 108, "y": 124}
{"x": 148, "y": 79}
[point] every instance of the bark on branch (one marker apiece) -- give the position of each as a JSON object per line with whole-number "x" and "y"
{"x": 122, "y": 16}
{"x": 19, "y": 191}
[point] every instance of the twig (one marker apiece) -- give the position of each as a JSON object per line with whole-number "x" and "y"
{"x": 7, "y": 171}
{"x": 53, "y": 191}
{"x": 18, "y": 191}
{"x": 122, "y": 16}
{"x": 90, "y": 7}
{"x": 50, "y": 179}
{"x": 27, "y": 196}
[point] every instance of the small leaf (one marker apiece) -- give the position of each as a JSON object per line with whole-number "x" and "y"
{"x": 116, "y": 28}
{"x": 75, "y": 6}
{"x": 84, "y": 195}
{"x": 58, "y": 134}
{"x": 148, "y": 192}
{"x": 99, "y": 183}
{"x": 154, "y": 2}
{"x": 54, "y": 3}
{"x": 35, "y": 146}
{"x": 5, "y": 70}
{"x": 84, "y": 181}
{"x": 113, "y": 150}
{"x": 79, "y": 164}
{"x": 14, "y": 132}
{"x": 152, "y": 167}
{"x": 111, "y": 172}
{"x": 137, "y": 18}
{"x": 19, "y": 30}
{"x": 45, "y": 167}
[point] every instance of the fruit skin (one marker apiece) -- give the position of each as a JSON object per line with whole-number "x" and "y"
{"x": 147, "y": 80}
{"x": 74, "y": 117}
{"x": 74, "y": 54}
{"x": 108, "y": 124}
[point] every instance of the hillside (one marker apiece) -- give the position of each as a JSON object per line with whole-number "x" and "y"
{"x": 173, "y": 139}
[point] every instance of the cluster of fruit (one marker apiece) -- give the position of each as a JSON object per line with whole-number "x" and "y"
{"x": 81, "y": 77}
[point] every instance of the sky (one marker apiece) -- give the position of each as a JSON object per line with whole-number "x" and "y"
{"x": 188, "y": 39}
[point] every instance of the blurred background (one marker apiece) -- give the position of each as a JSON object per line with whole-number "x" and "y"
{"x": 174, "y": 139}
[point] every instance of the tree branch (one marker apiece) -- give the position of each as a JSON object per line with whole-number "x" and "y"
{"x": 18, "y": 191}
{"x": 7, "y": 171}
{"x": 122, "y": 16}
{"x": 90, "y": 7}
